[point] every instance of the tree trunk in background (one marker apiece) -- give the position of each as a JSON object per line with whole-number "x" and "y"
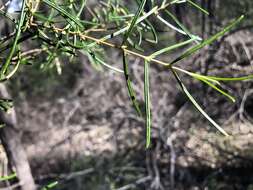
{"x": 211, "y": 9}
{"x": 203, "y": 19}
{"x": 11, "y": 139}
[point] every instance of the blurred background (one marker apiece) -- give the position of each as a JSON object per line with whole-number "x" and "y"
{"x": 79, "y": 127}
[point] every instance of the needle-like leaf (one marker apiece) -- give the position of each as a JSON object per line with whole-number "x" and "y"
{"x": 186, "y": 31}
{"x": 50, "y": 186}
{"x": 169, "y": 48}
{"x": 198, "y": 7}
{"x": 147, "y": 104}
{"x": 137, "y": 14}
{"x": 9, "y": 177}
{"x": 208, "y": 41}
{"x": 129, "y": 85}
{"x": 63, "y": 12}
{"x": 217, "y": 89}
{"x": 14, "y": 46}
{"x": 196, "y": 105}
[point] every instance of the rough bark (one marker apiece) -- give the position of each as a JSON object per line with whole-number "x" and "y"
{"x": 11, "y": 139}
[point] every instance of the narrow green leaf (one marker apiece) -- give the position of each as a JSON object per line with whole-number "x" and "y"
{"x": 50, "y": 186}
{"x": 208, "y": 41}
{"x": 176, "y": 28}
{"x": 196, "y": 38}
{"x": 198, "y": 7}
{"x": 249, "y": 77}
{"x": 63, "y": 12}
{"x": 137, "y": 14}
{"x": 46, "y": 19}
{"x": 13, "y": 49}
{"x": 215, "y": 79}
{"x": 196, "y": 75}
{"x": 218, "y": 89}
{"x": 169, "y": 48}
{"x": 140, "y": 36}
{"x": 153, "y": 31}
{"x": 196, "y": 105}
{"x": 147, "y": 104}
{"x": 177, "y": 1}
{"x": 9, "y": 75}
{"x": 129, "y": 85}
{"x": 83, "y": 4}
{"x": 93, "y": 61}
{"x": 109, "y": 66}
{"x": 9, "y": 177}
{"x": 8, "y": 16}
{"x": 134, "y": 44}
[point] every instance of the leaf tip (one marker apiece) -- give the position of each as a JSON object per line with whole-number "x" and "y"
{"x": 147, "y": 145}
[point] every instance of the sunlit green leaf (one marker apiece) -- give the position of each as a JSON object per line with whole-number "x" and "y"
{"x": 197, "y": 106}
{"x": 9, "y": 177}
{"x": 207, "y": 41}
{"x": 50, "y": 186}
{"x": 147, "y": 104}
